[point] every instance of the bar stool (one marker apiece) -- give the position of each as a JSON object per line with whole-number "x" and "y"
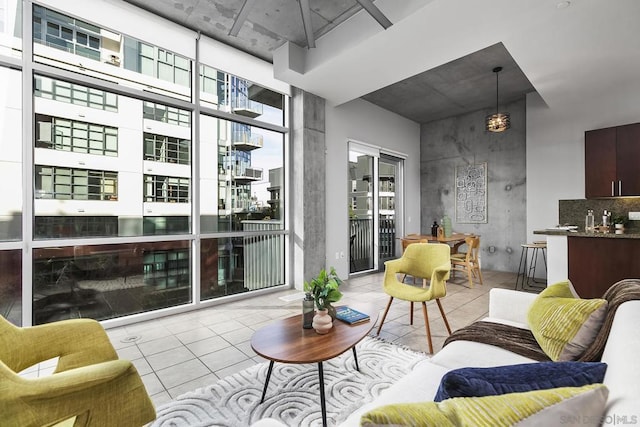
{"x": 526, "y": 268}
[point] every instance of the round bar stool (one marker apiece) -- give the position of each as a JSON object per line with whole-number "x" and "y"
{"x": 528, "y": 264}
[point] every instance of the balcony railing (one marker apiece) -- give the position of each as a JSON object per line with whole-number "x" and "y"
{"x": 263, "y": 255}
{"x": 361, "y": 243}
{"x": 247, "y": 175}
{"x": 246, "y": 141}
{"x": 245, "y": 107}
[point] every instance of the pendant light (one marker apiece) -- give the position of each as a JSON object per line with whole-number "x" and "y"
{"x": 498, "y": 122}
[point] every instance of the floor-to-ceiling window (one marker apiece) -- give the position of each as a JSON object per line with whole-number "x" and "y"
{"x": 11, "y": 134}
{"x": 141, "y": 191}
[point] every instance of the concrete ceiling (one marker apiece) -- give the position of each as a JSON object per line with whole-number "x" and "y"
{"x": 457, "y": 87}
{"x": 269, "y": 25}
{"x": 436, "y": 59}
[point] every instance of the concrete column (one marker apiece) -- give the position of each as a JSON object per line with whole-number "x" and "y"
{"x": 308, "y": 165}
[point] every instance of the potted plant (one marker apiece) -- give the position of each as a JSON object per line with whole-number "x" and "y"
{"x": 324, "y": 291}
{"x": 619, "y": 221}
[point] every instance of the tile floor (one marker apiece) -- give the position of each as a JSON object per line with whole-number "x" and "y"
{"x": 182, "y": 352}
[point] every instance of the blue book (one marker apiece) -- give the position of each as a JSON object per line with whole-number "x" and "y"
{"x": 350, "y": 315}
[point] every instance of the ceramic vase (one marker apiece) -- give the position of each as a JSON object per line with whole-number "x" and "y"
{"x": 322, "y": 322}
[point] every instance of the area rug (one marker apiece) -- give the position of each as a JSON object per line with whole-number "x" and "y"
{"x": 293, "y": 396}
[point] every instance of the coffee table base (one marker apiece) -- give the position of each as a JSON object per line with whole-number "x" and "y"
{"x": 323, "y": 406}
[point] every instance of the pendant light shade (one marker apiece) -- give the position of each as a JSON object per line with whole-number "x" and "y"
{"x": 498, "y": 122}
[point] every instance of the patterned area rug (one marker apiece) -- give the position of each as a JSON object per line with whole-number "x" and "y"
{"x": 293, "y": 396}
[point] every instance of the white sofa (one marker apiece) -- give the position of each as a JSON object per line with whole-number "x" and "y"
{"x": 621, "y": 353}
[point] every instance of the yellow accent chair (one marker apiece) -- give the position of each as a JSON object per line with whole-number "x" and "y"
{"x": 90, "y": 384}
{"x": 468, "y": 262}
{"x": 428, "y": 261}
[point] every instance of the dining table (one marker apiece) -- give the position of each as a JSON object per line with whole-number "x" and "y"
{"x": 455, "y": 240}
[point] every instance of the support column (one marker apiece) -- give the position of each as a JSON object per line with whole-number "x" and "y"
{"x": 308, "y": 182}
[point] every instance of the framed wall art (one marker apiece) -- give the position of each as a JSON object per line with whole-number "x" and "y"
{"x": 471, "y": 193}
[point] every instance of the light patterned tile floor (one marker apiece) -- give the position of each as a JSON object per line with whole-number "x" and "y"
{"x": 182, "y": 352}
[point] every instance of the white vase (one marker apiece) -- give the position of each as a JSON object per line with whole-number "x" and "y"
{"x": 322, "y": 322}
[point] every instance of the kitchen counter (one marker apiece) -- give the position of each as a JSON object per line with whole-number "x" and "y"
{"x": 549, "y": 232}
{"x": 592, "y": 261}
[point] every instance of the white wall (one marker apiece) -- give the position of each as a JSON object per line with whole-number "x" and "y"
{"x": 364, "y": 122}
{"x": 555, "y": 144}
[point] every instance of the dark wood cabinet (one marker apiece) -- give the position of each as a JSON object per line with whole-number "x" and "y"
{"x": 612, "y": 156}
{"x": 596, "y": 263}
{"x": 628, "y": 159}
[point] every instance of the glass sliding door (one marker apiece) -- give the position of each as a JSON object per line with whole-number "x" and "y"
{"x": 374, "y": 207}
{"x": 389, "y": 206}
{"x": 361, "y": 208}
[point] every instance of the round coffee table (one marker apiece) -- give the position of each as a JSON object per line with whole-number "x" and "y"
{"x": 286, "y": 341}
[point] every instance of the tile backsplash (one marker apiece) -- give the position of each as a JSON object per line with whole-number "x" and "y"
{"x": 573, "y": 212}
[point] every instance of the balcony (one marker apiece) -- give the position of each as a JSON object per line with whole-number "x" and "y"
{"x": 247, "y": 175}
{"x": 246, "y": 141}
{"x": 245, "y": 107}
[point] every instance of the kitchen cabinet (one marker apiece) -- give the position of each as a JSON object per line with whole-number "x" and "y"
{"x": 596, "y": 263}
{"x": 611, "y": 159}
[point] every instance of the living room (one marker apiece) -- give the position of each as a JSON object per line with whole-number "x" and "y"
{"x": 579, "y": 56}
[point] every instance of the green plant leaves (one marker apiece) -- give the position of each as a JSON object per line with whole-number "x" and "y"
{"x": 324, "y": 288}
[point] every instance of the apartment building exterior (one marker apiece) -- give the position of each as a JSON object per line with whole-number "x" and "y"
{"x": 141, "y": 185}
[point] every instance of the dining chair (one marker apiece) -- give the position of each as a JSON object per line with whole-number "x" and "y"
{"x": 411, "y": 238}
{"x": 468, "y": 262}
{"x": 428, "y": 261}
{"x": 89, "y": 387}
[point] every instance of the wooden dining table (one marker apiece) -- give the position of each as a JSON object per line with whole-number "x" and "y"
{"x": 455, "y": 240}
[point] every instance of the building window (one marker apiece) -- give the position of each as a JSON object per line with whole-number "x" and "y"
{"x": 167, "y": 149}
{"x": 66, "y": 33}
{"x": 72, "y": 93}
{"x": 167, "y": 269}
{"x": 156, "y": 62}
{"x": 165, "y": 114}
{"x": 165, "y": 225}
{"x": 55, "y": 227}
{"x": 79, "y": 137}
{"x": 166, "y": 189}
{"x": 53, "y": 182}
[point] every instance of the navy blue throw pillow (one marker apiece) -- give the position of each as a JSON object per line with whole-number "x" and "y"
{"x": 477, "y": 382}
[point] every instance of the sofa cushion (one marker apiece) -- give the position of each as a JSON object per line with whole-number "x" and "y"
{"x": 567, "y": 406}
{"x": 477, "y": 382}
{"x": 417, "y": 386}
{"x": 563, "y": 325}
{"x": 469, "y": 354}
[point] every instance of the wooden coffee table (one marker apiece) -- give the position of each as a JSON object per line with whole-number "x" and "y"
{"x": 286, "y": 341}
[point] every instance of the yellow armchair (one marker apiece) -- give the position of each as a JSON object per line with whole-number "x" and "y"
{"x": 89, "y": 382}
{"x": 428, "y": 261}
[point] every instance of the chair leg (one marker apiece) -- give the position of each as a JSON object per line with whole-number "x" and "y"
{"x": 426, "y": 324}
{"x": 444, "y": 317}
{"x": 479, "y": 275}
{"x": 384, "y": 316}
{"x": 411, "y": 313}
{"x": 470, "y": 274}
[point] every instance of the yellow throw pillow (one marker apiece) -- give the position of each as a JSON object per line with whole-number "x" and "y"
{"x": 563, "y": 324}
{"x": 570, "y": 406}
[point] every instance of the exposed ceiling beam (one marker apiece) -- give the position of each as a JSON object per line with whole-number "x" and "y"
{"x": 375, "y": 13}
{"x": 305, "y": 9}
{"x": 242, "y": 16}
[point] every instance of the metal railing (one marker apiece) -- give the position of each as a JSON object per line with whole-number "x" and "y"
{"x": 361, "y": 242}
{"x": 263, "y": 256}
{"x": 246, "y": 139}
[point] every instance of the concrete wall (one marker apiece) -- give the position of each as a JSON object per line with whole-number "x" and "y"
{"x": 308, "y": 186}
{"x": 458, "y": 141}
{"x": 364, "y": 122}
